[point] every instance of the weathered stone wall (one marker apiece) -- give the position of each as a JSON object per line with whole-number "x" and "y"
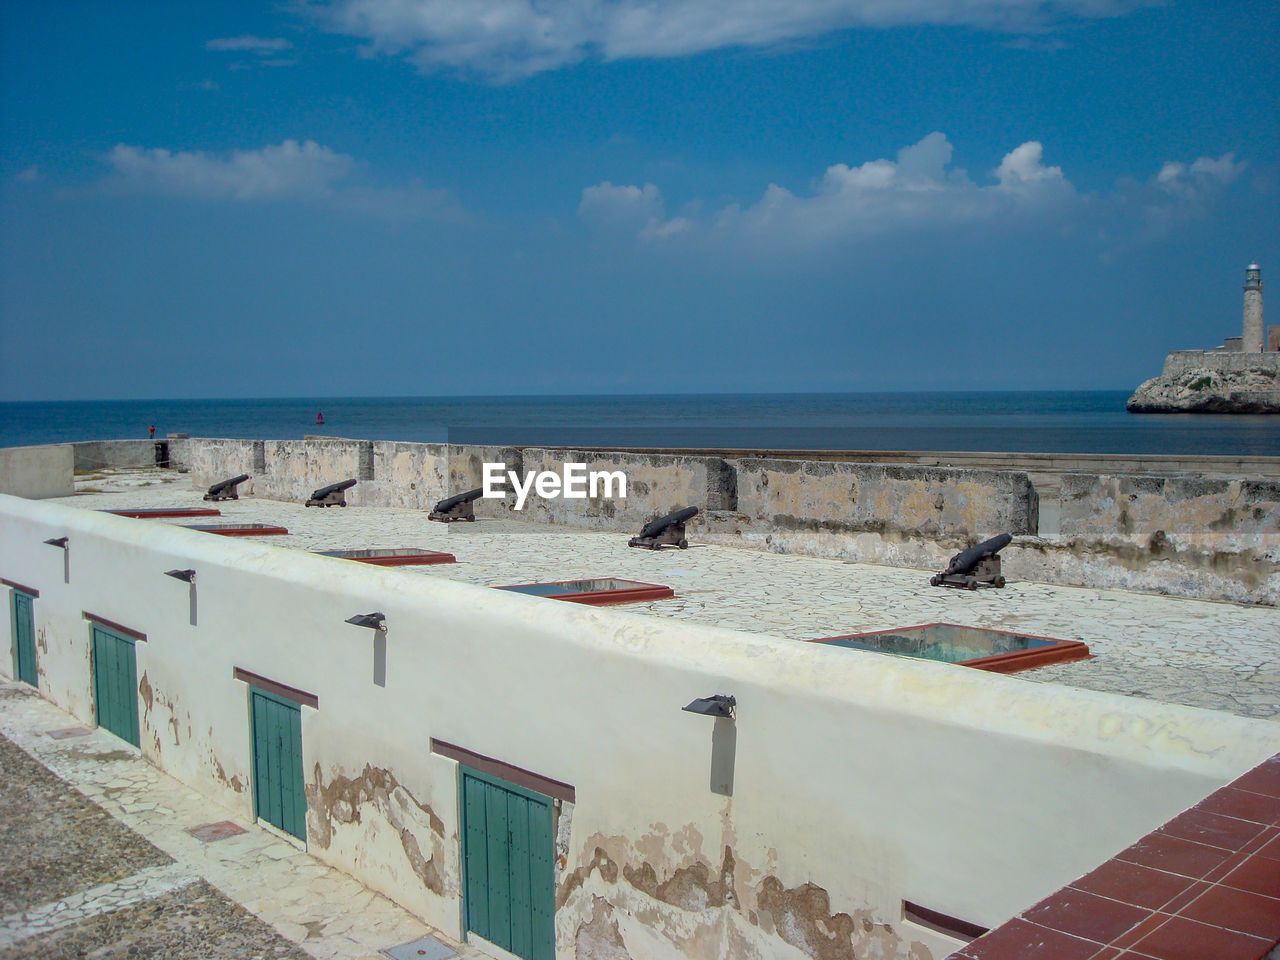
{"x": 1197, "y": 537}
{"x": 37, "y": 472}
{"x": 1224, "y": 361}
{"x": 212, "y": 461}
{"x": 112, "y": 454}
{"x": 657, "y": 484}
{"x": 296, "y": 468}
{"x": 1215, "y": 538}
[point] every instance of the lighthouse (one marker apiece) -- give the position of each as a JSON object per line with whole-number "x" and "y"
{"x": 1254, "y": 334}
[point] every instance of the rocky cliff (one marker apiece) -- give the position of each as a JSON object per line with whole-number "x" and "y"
{"x": 1202, "y": 390}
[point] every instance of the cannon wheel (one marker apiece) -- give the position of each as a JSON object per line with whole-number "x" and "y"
{"x": 683, "y": 544}
{"x": 998, "y": 582}
{"x": 655, "y": 546}
{"x": 971, "y": 584}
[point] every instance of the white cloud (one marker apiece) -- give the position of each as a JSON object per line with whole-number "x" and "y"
{"x": 921, "y": 190}
{"x": 1179, "y": 191}
{"x": 630, "y": 209}
{"x": 919, "y": 187}
{"x": 289, "y": 171}
{"x": 249, "y": 44}
{"x": 506, "y": 39}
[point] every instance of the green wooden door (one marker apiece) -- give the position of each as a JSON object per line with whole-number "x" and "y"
{"x": 507, "y": 853}
{"x": 279, "y": 796}
{"x": 115, "y": 684}
{"x": 24, "y": 639}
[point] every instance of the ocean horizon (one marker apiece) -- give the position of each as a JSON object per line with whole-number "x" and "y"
{"x": 997, "y": 421}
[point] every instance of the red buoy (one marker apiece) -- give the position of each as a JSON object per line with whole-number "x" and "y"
{"x": 320, "y": 418}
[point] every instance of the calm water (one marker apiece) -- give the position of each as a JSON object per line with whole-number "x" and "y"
{"x": 1076, "y": 422}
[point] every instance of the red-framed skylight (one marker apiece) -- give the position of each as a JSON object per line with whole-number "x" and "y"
{"x": 149, "y": 513}
{"x": 239, "y": 529}
{"x": 598, "y": 592}
{"x": 999, "y": 651}
{"x": 392, "y": 556}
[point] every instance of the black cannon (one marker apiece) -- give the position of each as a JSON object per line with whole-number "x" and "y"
{"x": 978, "y": 564}
{"x": 668, "y": 529}
{"x": 462, "y": 506}
{"x": 226, "y": 489}
{"x": 332, "y": 495}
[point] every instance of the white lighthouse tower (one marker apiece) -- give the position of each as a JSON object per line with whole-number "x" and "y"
{"x": 1254, "y": 334}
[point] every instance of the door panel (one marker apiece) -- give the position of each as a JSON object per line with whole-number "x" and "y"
{"x": 24, "y": 639}
{"x": 279, "y": 793}
{"x": 115, "y": 684}
{"x": 508, "y": 849}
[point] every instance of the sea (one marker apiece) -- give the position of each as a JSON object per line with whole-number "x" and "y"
{"x": 1057, "y": 422}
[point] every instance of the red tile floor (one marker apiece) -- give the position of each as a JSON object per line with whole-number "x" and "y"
{"x": 1205, "y": 886}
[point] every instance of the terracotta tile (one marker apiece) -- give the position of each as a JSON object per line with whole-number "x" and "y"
{"x": 1238, "y": 910}
{"x": 1020, "y": 940}
{"x": 1107, "y": 953}
{"x": 1270, "y": 849}
{"x": 1257, "y": 875}
{"x": 1241, "y": 804}
{"x": 1132, "y": 883}
{"x": 1147, "y": 926}
{"x": 1173, "y": 855}
{"x": 1189, "y": 895}
{"x": 1212, "y": 829}
{"x": 1226, "y": 866}
{"x": 1082, "y": 914}
{"x": 1264, "y": 778}
{"x": 1182, "y": 939}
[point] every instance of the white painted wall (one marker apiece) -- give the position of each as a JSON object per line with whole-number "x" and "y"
{"x": 874, "y": 778}
{"x": 37, "y": 472}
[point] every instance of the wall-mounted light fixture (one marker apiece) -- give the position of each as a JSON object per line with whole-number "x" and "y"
{"x": 59, "y": 542}
{"x": 377, "y": 621}
{"x": 186, "y": 576}
{"x": 720, "y": 705}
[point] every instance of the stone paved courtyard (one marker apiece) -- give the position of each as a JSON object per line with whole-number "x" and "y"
{"x": 96, "y": 862}
{"x": 1215, "y": 655}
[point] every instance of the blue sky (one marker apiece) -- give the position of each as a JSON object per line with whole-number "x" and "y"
{"x": 423, "y": 197}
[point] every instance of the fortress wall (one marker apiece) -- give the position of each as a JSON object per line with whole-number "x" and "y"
{"x": 657, "y": 484}
{"x": 212, "y": 461}
{"x": 37, "y": 472}
{"x": 295, "y": 468}
{"x": 794, "y": 831}
{"x": 1202, "y": 537}
{"x": 110, "y": 454}
{"x": 1211, "y": 538}
{"x": 1223, "y": 361}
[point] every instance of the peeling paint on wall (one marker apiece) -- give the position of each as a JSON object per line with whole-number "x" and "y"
{"x": 339, "y": 801}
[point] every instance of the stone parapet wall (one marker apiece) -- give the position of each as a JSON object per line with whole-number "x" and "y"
{"x": 118, "y": 454}
{"x": 1203, "y": 537}
{"x": 1222, "y": 361}
{"x": 212, "y": 461}
{"x": 37, "y": 472}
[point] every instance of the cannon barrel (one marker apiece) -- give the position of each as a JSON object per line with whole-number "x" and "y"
{"x": 966, "y": 560}
{"x": 448, "y": 504}
{"x": 655, "y": 527}
{"x": 332, "y": 488}
{"x": 227, "y": 484}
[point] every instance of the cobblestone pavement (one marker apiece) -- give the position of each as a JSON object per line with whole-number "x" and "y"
{"x": 96, "y": 862}
{"x": 1215, "y": 655}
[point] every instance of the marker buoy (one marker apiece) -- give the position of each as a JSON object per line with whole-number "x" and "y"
{"x": 320, "y": 417}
